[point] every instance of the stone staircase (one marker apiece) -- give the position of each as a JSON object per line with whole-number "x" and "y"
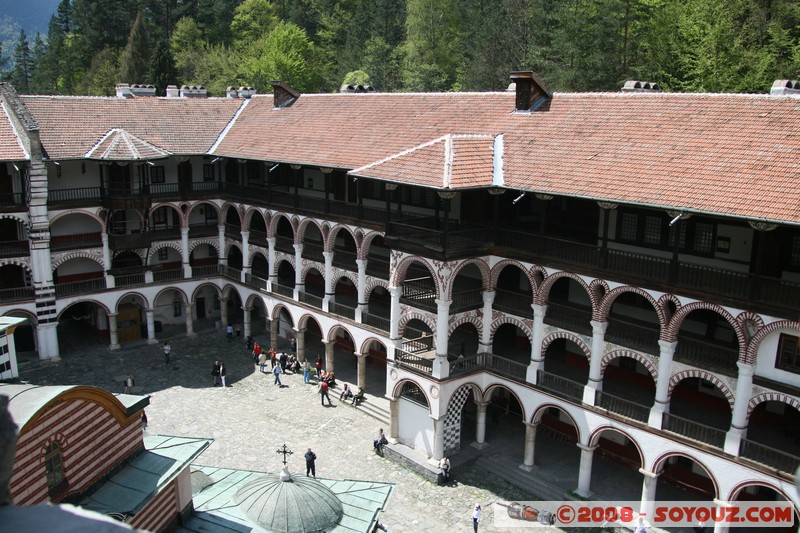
{"x": 376, "y": 407}
{"x": 543, "y": 490}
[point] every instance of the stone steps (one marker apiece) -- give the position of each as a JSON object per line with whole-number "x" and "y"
{"x": 544, "y": 490}
{"x": 374, "y": 407}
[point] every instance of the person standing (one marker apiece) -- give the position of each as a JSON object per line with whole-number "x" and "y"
{"x": 310, "y": 466}
{"x": 319, "y": 366}
{"x": 306, "y": 371}
{"x": 323, "y": 393}
{"x": 229, "y": 332}
{"x": 294, "y": 345}
{"x": 215, "y": 372}
{"x": 129, "y": 383}
{"x": 277, "y": 371}
{"x": 257, "y": 353}
{"x": 283, "y": 360}
{"x": 444, "y": 465}
{"x": 476, "y": 517}
{"x": 273, "y": 357}
{"x": 222, "y": 373}
{"x": 262, "y": 361}
{"x": 167, "y": 350}
{"x": 238, "y": 331}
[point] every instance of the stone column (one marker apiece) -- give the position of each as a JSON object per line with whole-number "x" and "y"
{"x": 647, "y": 504}
{"x": 245, "y": 255}
{"x": 362, "y": 370}
{"x": 328, "y": 277}
{"x": 744, "y": 390}
{"x": 661, "y": 404}
{"x": 222, "y": 258}
{"x": 394, "y": 419}
{"x": 272, "y": 272}
{"x": 486, "y": 321}
{"x": 47, "y": 341}
{"x": 112, "y": 332}
{"x": 187, "y": 267}
{"x": 438, "y": 440}
{"x": 530, "y": 443}
{"x": 441, "y": 368}
{"x": 274, "y": 331}
{"x": 247, "y": 329}
{"x": 536, "y": 345}
{"x": 188, "y": 308}
{"x": 300, "y": 335}
{"x": 361, "y": 288}
{"x": 480, "y": 425}
{"x": 223, "y": 311}
{"x": 329, "y": 346}
{"x": 595, "y": 382}
{"x": 151, "y": 326}
{"x": 299, "y": 286}
{"x": 721, "y": 527}
{"x": 107, "y": 261}
{"x": 585, "y": 472}
{"x": 394, "y": 313}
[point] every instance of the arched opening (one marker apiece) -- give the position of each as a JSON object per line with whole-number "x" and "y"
{"x": 683, "y": 479}
{"x": 628, "y": 389}
{"x": 203, "y": 221}
{"x": 260, "y": 266}
{"x": 233, "y": 309}
{"x": 513, "y": 292}
{"x": 311, "y": 346}
{"x": 125, "y": 261}
{"x": 166, "y": 258}
{"x": 569, "y": 307}
{"x": 233, "y": 224}
{"x": 345, "y": 252}
{"x": 378, "y": 310}
{"x": 374, "y": 373}
{"x": 510, "y": 342}
{"x": 75, "y": 231}
{"x": 418, "y": 288}
{"x": 235, "y": 259}
{"x": 460, "y": 421}
{"x": 378, "y": 257}
{"x": 762, "y": 493}
{"x": 708, "y": 341}
{"x": 698, "y": 409}
{"x": 566, "y": 369}
{"x": 467, "y": 290}
{"x": 131, "y": 318}
{"x": 258, "y": 317}
{"x": 345, "y": 296}
{"x": 314, "y": 288}
{"x": 169, "y": 312}
{"x": 555, "y": 450}
{"x": 207, "y": 307}
{"x": 313, "y": 243}
{"x": 75, "y": 276}
{"x": 615, "y": 466}
{"x": 465, "y": 340}
{"x": 773, "y": 436}
{"x": 415, "y": 427}
{"x": 82, "y": 325}
{"x": 203, "y": 255}
{"x": 165, "y": 223}
{"x": 258, "y": 230}
{"x": 633, "y": 323}
{"x": 345, "y": 365}
{"x": 284, "y": 236}
{"x": 25, "y": 341}
{"x": 285, "y": 279}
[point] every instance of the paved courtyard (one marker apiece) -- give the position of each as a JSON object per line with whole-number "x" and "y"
{"x": 251, "y": 417}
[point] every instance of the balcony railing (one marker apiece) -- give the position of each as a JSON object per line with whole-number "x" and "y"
{"x": 572, "y": 317}
{"x": 231, "y": 273}
{"x": 166, "y": 234}
{"x": 777, "y": 459}
{"x": 707, "y": 355}
{"x": 14, "y": 248}
{"x": 283, "y": 290}
{"x": 284, "y": 244}
{"x": 505, "y": 367}
{"x": 414, "y": 361}
{"x": 168, "y": 275}
{"x": 310, "y": 299}
{"x": 560, "y": 386}
{"x": 633, "y": 335}
{"x": 313, "y": 251}
{"x": 375, "y": 321}
{"x": 378, "y": 267}
{"x": 420, "y": 344}
{"x": 622, "y": 407}
{"x": 127, "y": 280}
{"x": 83, "y": 195}
{"x": 466, "y": 300}
{"x": 129, "y": 241}
{"x": 342, "y": 310}
{"x": 206, "y": 271}
{"x": 419, "y": 292}
{"x": 345, "y": 259}
{"x": 12, "y": 200}
{"x": 693, "y": 430}
{"x": 80, "y": 241}
{"x": 256, "y": 282}
{"x": 203, "y": 229}
{"x": 80, "y": 287}
{"x": 16, "y": 294}
{"x": 258, "y": 238}
{"x": 516, "y": 303}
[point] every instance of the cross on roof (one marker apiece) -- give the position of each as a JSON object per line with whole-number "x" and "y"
{"x": 285, "y": 451}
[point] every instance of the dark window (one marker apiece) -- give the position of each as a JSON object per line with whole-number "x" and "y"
{"x": 653, "y": 231}
{"x": 212, "y": 252}
{"x": 54, "y": 467}
{"x": 163, "y": 254}
{"x": 794, "y": 258}
{"x": 160, "y": 216}
{"x": 788, "y": 354}
{"x": 412, "y": 392}
{"x": 208, "y": 173}
{"x": 157, "y": 174}
{"x": 177, "y": 308}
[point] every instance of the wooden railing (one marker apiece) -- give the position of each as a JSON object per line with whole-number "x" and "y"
{"x": 201, "y": 229}
{"x": 560, "y": 386}
{"x": 127, "y": 280}
{"x": 766, "y": 455}
{"x": 375, "y": 321}
{"x": 516, "y": 303}
{"x": 345, "y": 259}
{"x": 342, "y": 310}
{"x": 378, "y": 267}
{"x": 693, "y": 430}
{"x": 283, "y": 290}
{"x": 419, "y": 292}
{"x": 709, "y": 355}
{"x": 77, "y": 241}
{"x": 168, "y": 275}
{"x": 414, "y": 361}
{"x": 505, "y": 367}
{"x": 420, "y": 344}
{"x": 622, "y": 407}
{"x": 572, "y": 317}
{"x": 310, "y": 299}
{"x": 90, "y": 195}
{"x": 206, "y": 271}
{"x": 313, "y": 251}
{"x": 256, "y": 282}
{"x": 14, "y": 248}
{"x": 466, "y": 300}
{"x": 16, "y": 294}
{"x": 80, "y": 287}
{"x": 231, "y": 273}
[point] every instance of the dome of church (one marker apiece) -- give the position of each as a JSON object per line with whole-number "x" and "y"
{"x": 289, "y": 504}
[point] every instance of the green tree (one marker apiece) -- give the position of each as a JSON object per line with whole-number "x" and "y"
{"x": 101, "y": 77}
{"x": 252, "y": 20}
{"x": 383, "y": 63}
{"x": 135, "y": 58}
{"x": 187, "y": 45}
{"x": 356, "y": 77}
{"x": 285, "y": 54}
{"x": 22, "y": 72}
{"x": 38, "y": 78}
{"x": 100, "y": 24}
{"x": 433, "y": 49}
{"x": 163, "y": 67}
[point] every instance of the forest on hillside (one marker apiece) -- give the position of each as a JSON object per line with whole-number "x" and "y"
{"x": 408, "y": 45}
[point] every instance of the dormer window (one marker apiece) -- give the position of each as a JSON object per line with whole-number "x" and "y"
{"x": 54, "y": 466}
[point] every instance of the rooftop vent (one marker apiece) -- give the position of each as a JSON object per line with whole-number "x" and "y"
{"x": 785, "y": 88}
{"x": 345, "y": 88}
{"x": 247, "y": 92}
{"x": 124, "y": 90}
{"x": 283, "y": 95}
{"x": 193, "y": 91}
{"x": 172, "y": 91}
{"x": 143, "y": 90}
{"x": 641, "y": 86}
{"x": 231, "y": 92}
{"x": 530, "y": 90}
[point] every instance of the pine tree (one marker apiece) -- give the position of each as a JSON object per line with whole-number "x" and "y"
{"x": 163, "y": 67}
{"x": 135, "y": 60}
{"x": 23, "y": 64}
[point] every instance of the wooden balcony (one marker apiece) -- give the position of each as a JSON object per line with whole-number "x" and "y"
{"x": 130, "y": 241}
{"x": 79, "y": 241}
{"x": 14, "y": 248}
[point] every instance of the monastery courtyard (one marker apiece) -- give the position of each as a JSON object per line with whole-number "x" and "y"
{"x": 251, "y": 418}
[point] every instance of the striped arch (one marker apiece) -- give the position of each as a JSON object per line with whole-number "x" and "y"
{"x": 372, "y": 283}
{"x": 257, "y": 250}
{"x": 191, "y": 207}
{"x": 284, "y": 258}
{"x": 734, "y": 493}
{"x": 233, "y": 244}
{"x": 134, "y": 294}
{"x": 408, "y": 317}
{"x": 22, "y": 313}
{"x": 194, "y": 243}
{"x": 176, "y": 290}
{"x": 402, "y": 268}
{"x": 307, "y": 266}
{"x": 17, "y": 217}
{"x": 647, "y": 363}
{"x": 708, "y": 376}
{"x": 594, "y": 438}
{"x": 604, "y": 309}
{"x": 225, "y": 207}
{"x": 90, "y": 214}
{"x": 98, "y": 303}
{"x": 544, "y": 291}
{"x": 671, "y": 332}
{"x": 22, "y": 262}
{"x": 496, "y": 269}
{"x": 330, "y": 239}
{"x": 138, "y": 251}
{"x": 525, "y": 325}
{"x": 305, "y": 223}
{"x": 364, "y": 348}
{"x": 363, "y": 251}
{"x": 164, "y": 244}
{"x": 339, "y": 273}
{"x": 63, "y": 258}
{"x": 248, "y": 217}
{"x": 331, "y": 335}
{"x": 272, "y": 229}
{"x": 771, "y": 397}
{"x": 540, "y": 410}
{"x": 570, "y": 337}
{"x": 398, "y": 387}
{"x": 663, "y": 303}
{"x": 466, "y": 319}
{"x": 276, "y": 314}
{"x": 496, "y": 386}
{"x": 663, "y": 457}
{"x": 171, "y": 205}
{"x": 483, "y": 267}
{"x": 762, "y": 333}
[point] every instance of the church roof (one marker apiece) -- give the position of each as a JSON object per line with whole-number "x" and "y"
{"x": 119, "y": 145}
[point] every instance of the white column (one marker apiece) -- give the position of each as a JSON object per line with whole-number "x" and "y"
{"x": 530, "y": 443}
{"x": 595, "y": 381}
{"x": 361, "y": 370}
{"x": 441, "y": 368}
{"x": 744, "y": 390}
{"x": 222, "y": 259}
{"x": 223, "y": 311}
{"x": 661, "y": 404}
{"x": 188, "y": 307}
{"x": 300, "y": 335}
{"x": 273, "y": 272}
{"x": 486, "y": 322}
{"x": 394, "y": 419}
{"x": 47, "y": 340}
{"x": 247, "y": 311}
{"x": 647, "y": 504}
{"x": 112, "y": 332}
{"x": 438, "y": 440}
{"x": 721, "y": 527}
{"x": 585, "y": 471}
{"x": 480, "y": 425}
{"x": 329, "y": 355}
{"x": 298, "y": 271}
{"x": 361, "y": 288}
{"x": 536, "y": 345}
{"x": 394, "y": 313}
{"x": 107, "y": 261}
{"x": 328, "y": 277}
{"x": 245, "y": 254}
{"x": 151, "y": 326}
{"x": 187, "y": 268}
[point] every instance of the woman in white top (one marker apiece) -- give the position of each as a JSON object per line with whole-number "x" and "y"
{"x": 476, "y": 516}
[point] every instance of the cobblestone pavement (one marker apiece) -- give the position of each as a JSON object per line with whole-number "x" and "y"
{"x": 251, "y": 417}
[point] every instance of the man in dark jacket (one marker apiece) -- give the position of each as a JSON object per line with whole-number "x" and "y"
{"x": 310, "y": 458}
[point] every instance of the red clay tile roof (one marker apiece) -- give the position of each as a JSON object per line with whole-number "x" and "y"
{"x": 10, "y": 146}
{"x": 119, "y": 145}
{"x": 71, "y": 126}
{"x": 452, "y": 161}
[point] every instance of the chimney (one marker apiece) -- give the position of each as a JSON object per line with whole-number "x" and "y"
{"x": 172, "y": 91}
{"x": 345, "y": 88}
{"x": 143, "y": 90}
{"x": 530, "y": 90}
{"x": 641, "y": 87}
{"x": 231, "y": 92}
{"x": 193, "y": 91}
{"x": 283, "y": 95}
{"x": 124, "y": 90}
{"x": 785, "y": 88}
{"x": 247, "y": 92}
